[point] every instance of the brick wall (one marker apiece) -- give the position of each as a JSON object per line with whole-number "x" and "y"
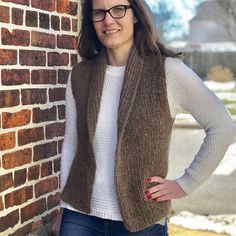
{"x": 37, "y": 50}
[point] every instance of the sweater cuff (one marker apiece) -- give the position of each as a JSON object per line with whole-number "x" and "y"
{"x": 187, "y": 184}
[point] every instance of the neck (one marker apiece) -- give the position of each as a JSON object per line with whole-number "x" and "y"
{"x": 117, "y": 57}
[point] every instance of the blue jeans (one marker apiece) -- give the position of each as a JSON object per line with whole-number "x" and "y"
{"x": 78, "y": 224}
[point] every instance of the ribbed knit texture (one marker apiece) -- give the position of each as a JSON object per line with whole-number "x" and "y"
{"x": 104, "y": 201}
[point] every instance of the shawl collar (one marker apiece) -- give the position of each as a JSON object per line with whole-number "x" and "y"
{"x": 129, "y": 89}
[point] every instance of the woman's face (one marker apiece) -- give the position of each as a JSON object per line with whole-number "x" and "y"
{"x": 115, "y": 33}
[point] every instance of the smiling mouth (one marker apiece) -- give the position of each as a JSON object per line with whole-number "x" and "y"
{"x": 110, "y": 31}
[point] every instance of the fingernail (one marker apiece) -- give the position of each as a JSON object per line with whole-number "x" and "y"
{"x": 147, "y": 192}
{"x": 149, "y": 179}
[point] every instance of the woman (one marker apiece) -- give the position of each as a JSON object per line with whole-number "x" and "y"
{"x": 121, "y": 101}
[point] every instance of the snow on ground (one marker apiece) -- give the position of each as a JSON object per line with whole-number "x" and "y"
{"x": 222, "y": 86}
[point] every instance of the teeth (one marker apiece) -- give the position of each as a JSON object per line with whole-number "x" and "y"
{"x": 111, "y": 31}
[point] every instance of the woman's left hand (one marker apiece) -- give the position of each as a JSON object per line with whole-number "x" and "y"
{"x": 164, "y": 190}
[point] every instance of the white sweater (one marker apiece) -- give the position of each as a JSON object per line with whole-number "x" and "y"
{"x": 185, "y": 92}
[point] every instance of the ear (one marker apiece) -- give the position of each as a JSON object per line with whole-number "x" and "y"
{"x": 135, "y": 20}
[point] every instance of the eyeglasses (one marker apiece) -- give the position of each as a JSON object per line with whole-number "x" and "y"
{"x": 116, "y": 12}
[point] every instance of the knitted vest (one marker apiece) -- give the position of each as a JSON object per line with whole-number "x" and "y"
{"x": 144, "y": 130}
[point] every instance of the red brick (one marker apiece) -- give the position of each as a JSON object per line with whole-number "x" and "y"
{"x": 44, "y": 151}
{"x": 58, "y": 59}
{"x": 16, "y": 37}
{"x": 4, "y": 14}
{"x": 43, "y": 21}
{"x": 19, "y": 177}
{"x": 65, "y": 23}
{"x": 51, "y": 217}
{"x": 25, "y": 230}
{"x": 9, "y": 98}
{"x": 26, "y": 136}
{"x": 18, "y": 197}
{"x": 44, "y": 40}
{"x": 46, "y": 186}
{"x": 57, "y": 165}
{"x": 33, "y": 172}
{"x": 11, "y": 120}
{"x": 44, "y": 115}
{"x": 55, "y": 22}
{"x": 46, "y": 169}
{"x": 17, "y": 16}
{"x": 33, "y": 96}
{"x": 37, "y": 225}
{"x": 8, "y": 221}
{"x": 63, "y": 76}
{"x": 17, "y": 158}
{"x": 6, "y": 182}
{"x": 53, "y": 200}
{"x": 66, "y": 41}
{"x": 1, "y": 204}
{"x": 8, "y": 57}
{"x": 31, "y": 18}
{"x": 59, "y": 145}
{"x": 32, "y": 210}
{"x": 73, "y": 59}
{"x": 32, "y": 58}
{"x": 43, "y": 77}
{"x": 48, "y": 5}
{"x": 74, "y": 25}
{"x": 67, "y": 7}
{"x": 7, "y": 141}
{"x": 57, "y": 94}
{"x": 22, "y": 2}
{"x": 55, "y": 130}
{"x": 15, "y": 77}
{"x": 61, "y": 112}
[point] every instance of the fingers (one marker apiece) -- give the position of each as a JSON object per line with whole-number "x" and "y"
{"x": 156, "y": 179}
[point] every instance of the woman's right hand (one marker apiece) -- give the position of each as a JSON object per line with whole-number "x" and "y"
{"x": 57, "y": 223}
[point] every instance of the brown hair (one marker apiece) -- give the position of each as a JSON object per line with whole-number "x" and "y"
{"x": 146, "y": 37}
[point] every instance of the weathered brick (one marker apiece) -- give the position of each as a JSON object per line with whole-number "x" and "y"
{"x": 6, "y": 182}
{"x": 26, "y": 136}
{"x": 65, "y": 23}
{"x": 17, "y": 158}
{"x": 44, "y": 40}
{"x": 17, "y": 16}
{"x": 55, "y": 130}
{"x": 66, "y": 41}
{"x": 55, "y": 22}
{"x": 10, "y": 220}
{"x": 8, "y": 57}
{"x": 51, "y": 217}
{"x": 46, "y": 169}
{"x": 57, "y": 94}
{"x": 16, "y": 37}
{"x": 74, "y": 25}
{"x": 19, "y": 177}
{"x": 61, "y": 112}
{"x": 46, "y": 186}
{"x": 58, "y": 59}
{"x": 32, "y": 58}
{"x": 1, "y": 204}
{"x": 67, "y": 7}
{"x": 11, "y": 120}
{"x": 33, "y": 173}
{"x": 4, "y": 14}
{"x": 63, "y": 76}
{"x": 53, "y": 200}
{"x": 25, "y": 230}
{"x": 48, "y": 5}
{"x": 31, "y": 18}
{"x": 15, "y": 77}
{"x": 7, "y": 141}
{"x": 56, "y": 165}
{"x": 18, "y": 197}
{"x": 22, "y": 2}
{"x": 33, "y": 96}
{"x": 43, "y": 21}
{"x": 73, "y": 59}
{"x": 9, "y": 98}
{"x": 44, "y": 151}
{"x": 37, "y": 225}
{"x": 43, "y": 77}
{"x": 59, "y": 145}
{"x": 44, "y": 115}
{"x": 32, "y": 210}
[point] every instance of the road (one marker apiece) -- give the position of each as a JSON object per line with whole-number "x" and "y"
{"x": 218, "y": 194}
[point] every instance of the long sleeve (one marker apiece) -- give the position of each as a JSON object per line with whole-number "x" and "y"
{"x": 186, "y": 92}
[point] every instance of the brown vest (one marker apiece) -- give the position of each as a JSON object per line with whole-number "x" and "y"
{"x": 144, "y": 130}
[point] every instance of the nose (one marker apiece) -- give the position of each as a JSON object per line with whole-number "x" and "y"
{"x": 108, "y": 19}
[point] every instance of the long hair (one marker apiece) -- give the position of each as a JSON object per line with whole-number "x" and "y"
{"x": 146, "y": 36}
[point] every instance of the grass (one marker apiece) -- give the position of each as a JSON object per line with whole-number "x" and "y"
{"x": 180, "y": 231}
